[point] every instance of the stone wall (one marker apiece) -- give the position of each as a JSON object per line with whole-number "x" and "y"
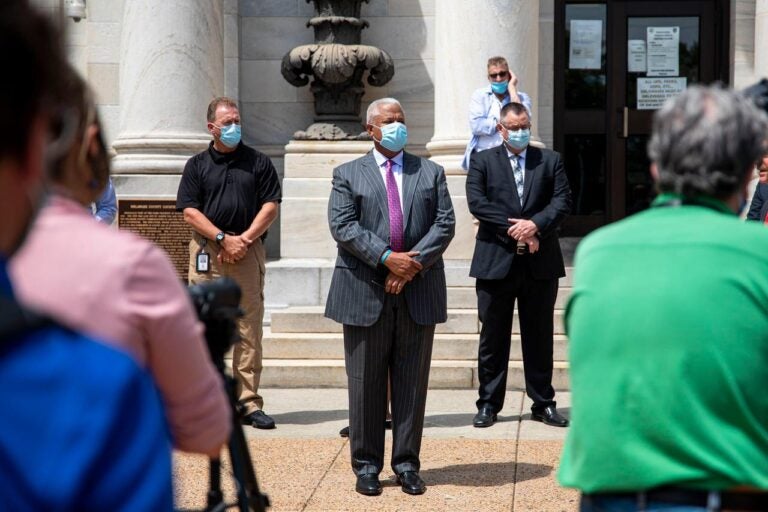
{"x": 257, "y": 33}
{"x": 742, "y": 43}
{"x": 273, "y": 109}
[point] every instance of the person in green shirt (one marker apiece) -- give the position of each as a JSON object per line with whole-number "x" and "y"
{"x": 668, "y": 327}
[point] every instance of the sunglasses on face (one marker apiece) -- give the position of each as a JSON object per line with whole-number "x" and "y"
{"x": 494, "y": 76}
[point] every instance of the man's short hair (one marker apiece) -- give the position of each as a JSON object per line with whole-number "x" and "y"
{"x": 498, "y": 61}
{"x": 375, "y": 107}
{"x": 214, "y": 105}
{"x": 32, "y": 62}
{"x": 515, "y": 108}
{"x": 705, "y": 141}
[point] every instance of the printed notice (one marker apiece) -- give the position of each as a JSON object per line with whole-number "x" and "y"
{"x": 663, "y": 51}
{"x": 586, "y": 44}
{"x": 653, "y": 92}
{"x": 636, "y": 56}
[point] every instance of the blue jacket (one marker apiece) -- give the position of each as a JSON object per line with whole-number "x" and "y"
{"x": 106, "y": 205}
{"x": 83, "y": 428}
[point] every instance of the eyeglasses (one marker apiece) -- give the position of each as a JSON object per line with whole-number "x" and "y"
{"x": 501, "y": 74}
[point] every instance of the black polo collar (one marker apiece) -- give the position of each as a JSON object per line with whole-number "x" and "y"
{"x": 220, "y": 158}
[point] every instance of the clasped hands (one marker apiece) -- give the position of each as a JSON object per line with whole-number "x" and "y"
{"x": 233, "y": 248}
{"x": 402, "y": 269}
{"x": 524, "y": 230}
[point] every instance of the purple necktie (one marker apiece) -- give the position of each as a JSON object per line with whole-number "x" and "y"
{"x": 395, "y": 212}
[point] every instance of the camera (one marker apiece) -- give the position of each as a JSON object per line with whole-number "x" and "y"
{"x": 218, "y": 307}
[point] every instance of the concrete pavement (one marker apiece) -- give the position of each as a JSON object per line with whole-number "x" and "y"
{"x": 303, "y": 464}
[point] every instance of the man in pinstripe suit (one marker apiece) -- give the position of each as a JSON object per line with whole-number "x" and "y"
{"x": 392, "y": 218}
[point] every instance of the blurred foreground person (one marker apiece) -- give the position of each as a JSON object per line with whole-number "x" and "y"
{"x": 668, "y": 327}
{"x": 83, "y": 428}
{"x": 119, "y": 287}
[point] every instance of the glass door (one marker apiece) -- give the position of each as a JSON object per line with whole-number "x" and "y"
{"x": 616, "y": 62}
{"x": 660, "y": 49}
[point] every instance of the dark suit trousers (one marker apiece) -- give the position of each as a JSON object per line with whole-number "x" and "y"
{"x": 395, "y": 344}
{"x": 495, "y": 304}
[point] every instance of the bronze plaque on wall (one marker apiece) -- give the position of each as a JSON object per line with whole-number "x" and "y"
{"x": 158, "y": 221}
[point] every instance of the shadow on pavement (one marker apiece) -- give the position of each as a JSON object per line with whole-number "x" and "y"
{"x": 309, "y": 417}
{"x": 488, "y": 474}
{"x": 459, "y": 419}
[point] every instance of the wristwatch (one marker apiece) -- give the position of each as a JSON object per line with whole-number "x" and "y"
{"x": 219, "y": 237}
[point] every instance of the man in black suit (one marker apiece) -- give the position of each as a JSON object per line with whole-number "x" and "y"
{"x": 391, "y": 215}
{"x": 520, "y": 195}
{"x": 758, "y": 208}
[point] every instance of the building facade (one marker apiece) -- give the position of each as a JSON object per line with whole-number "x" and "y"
{"x": 595, "y": 71}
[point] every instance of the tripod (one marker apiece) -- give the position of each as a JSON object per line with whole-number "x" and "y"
{"x": 249, "y": 498}
{"x": 217, "y": 303}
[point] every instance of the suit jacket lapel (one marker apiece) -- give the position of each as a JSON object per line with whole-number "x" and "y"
{"x": 410, "y": 180}
{"x": 372, "y": 174}
{"x": 532, "y": 161}
{"x": 508, "y": 174}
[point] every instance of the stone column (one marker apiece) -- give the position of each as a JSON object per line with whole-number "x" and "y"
{"x": 761, "y": 39}
{"x": 171, "y": 66}
{"x": 465, "y": 41}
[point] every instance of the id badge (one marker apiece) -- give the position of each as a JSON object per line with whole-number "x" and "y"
{"x": 203, "y": 262}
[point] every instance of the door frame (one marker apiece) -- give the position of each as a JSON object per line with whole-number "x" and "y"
{"x": 612, "y": 119}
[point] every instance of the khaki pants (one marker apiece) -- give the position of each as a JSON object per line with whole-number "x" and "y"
{"x": 249, "y": 274}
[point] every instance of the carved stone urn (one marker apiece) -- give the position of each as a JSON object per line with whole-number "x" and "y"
{"x": 337, "y": 62}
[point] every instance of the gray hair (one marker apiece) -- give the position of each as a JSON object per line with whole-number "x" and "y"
{"x": 375, "y": 107}
{"x": 705, "y": 141}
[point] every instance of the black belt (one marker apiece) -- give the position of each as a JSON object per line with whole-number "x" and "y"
{"x": 724, "y": 500}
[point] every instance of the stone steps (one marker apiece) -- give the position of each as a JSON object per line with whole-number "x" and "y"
{"x": 330, "y": 373}
{"x": 310, "y": 319}
{"x": 302, "y": 348}
{"x": 449, "y": 347}
{"x": 464, "y": 297}
{"x": 305, "y": 282}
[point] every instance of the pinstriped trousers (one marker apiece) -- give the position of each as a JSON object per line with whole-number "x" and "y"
{"x": 397, "y": 345}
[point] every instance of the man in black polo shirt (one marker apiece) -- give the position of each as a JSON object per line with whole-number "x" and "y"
{"x": 229, "y": 194}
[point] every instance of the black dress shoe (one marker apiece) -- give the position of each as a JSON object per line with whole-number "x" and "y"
{"x": 260, "y": 420}
{"x": 411, "y": 482}
{"x": 549, "y": 416}
{"x": 368, "y": 484}
{"x": 485, "y": 417}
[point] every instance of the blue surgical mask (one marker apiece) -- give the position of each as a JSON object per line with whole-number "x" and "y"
{"x": 499, "y": 87}
{"x": 394, "y": 136}
{"x": 518, "y": 139}
{"x": 230, "y": 135}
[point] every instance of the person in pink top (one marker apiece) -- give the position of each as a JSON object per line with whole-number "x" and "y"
{"x": 120, "y": 288}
